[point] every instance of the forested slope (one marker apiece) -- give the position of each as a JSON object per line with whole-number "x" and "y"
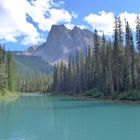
{"x": 28, "y": 66}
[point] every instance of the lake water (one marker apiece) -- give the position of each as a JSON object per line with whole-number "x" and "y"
{"x": 60, "y": 118}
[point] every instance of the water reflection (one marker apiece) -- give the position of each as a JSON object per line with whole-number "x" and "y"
{"x": 46, "y": 117}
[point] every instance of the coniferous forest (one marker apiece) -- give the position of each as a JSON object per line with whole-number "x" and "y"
{"x": 8, "y": 77}
{"x": 110, "y": 68}
{"x": 39, "y": 83}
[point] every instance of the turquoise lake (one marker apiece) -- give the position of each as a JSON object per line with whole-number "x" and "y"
{"x": 43, "y": 117}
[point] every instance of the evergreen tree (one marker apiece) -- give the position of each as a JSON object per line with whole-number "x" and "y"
{"x": 138, "y": 33}
{"x": 128, "y": 60}
{"x": 97, "y": 60}
{"x": 3, "y": 75}
{"x": 11, "y": 73}
{"x": 109, "y": 89}
{"x": 39, "y": 83}
{"x": 118, "y": 56}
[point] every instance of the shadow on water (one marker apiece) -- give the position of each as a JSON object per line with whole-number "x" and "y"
{"x": 75, "y": 106}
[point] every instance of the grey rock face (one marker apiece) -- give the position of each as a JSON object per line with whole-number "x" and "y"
{"x": 62, "y": 42}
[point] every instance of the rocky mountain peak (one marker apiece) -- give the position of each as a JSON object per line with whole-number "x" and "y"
{"x": 56, "y": 28}
{"x": 76, "y": 28}
{"x": 62, "y": 42}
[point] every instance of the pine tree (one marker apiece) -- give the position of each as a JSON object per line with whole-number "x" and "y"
{"x": 3, "y": 75}
{"x": 11, "y": 73}
{"x": 133, "y": 59}
{"x": 78, "y": 70}
{"x": 89, "y": 69}
{"x": 118, "y": 56}
{"x": 103, "y": 64}
{"x": 97, "y": 60}
{"x": 129, "y": 60}
{"x": 138, "y": 49}
{"x": 138, "y": 33}
{"x": 71, "y": 74}
{"x": 109, "y": 89}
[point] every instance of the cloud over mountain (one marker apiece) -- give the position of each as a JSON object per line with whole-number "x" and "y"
{"x": 15, "y": 18}
{"x": 27, "y": 21}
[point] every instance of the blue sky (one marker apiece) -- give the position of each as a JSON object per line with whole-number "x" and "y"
{"x": 27, "y": 23}
{"x": 84, "y": 7}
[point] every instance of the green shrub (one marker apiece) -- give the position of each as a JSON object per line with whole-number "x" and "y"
{"x": 93, "y": 92}
{"x": 130, "y": 95}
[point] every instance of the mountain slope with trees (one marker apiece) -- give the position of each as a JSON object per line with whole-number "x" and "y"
{"x": 29, "y": 66}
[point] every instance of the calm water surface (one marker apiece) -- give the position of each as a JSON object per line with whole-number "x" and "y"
{"x": 60, "y": 118}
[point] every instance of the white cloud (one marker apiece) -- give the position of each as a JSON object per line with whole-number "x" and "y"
{"x": 14, "y": 23}
{"x": 104, "y": 21}
{"x": 32, "y": 40}
{"x": 55, "y": 16}
{"x": 13, "y": 20}
{"x": 59, "y": 4}
{"x": 75, "y": 15}
{"x": 130, "y": 17}
{"x": 60, "y": 15}
{"x": 69, "y": 26}
{"x": 44, "y": 13}
{"x": 82, "y": 26}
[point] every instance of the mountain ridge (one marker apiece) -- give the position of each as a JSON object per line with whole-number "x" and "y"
{"x": 61, "y": 42}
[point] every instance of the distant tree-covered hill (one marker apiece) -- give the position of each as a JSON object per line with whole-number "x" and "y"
{"x": 28, "y": 66}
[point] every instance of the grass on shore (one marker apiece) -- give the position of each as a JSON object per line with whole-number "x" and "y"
{"x": 24, "y": 92}
{"x": 7, "y": 96}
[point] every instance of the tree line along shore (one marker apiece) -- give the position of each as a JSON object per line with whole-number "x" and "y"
{"x": 108, "y": 69}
